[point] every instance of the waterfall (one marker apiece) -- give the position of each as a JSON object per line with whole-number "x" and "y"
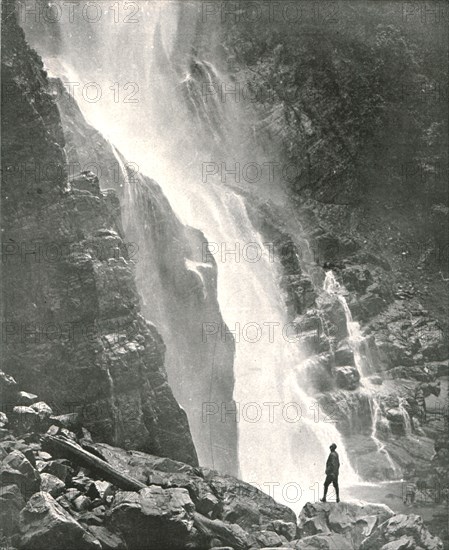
{"x": 406, "y": 417}
{"x": 358, "y": 343}
{"x": 356, "y": 339}
{"x": 377, "y": 418}
{"x": 169, "y": 134}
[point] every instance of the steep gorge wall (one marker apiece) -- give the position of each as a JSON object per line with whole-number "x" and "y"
{"x": 177, "y": 284}
{"x": 355, "y": 98}
{"x": 72, "y": 331}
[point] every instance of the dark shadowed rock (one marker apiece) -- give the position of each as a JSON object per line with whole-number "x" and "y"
{"x": 52, "y": 485}
{"x": 11, "y": 502}
{"x": 284, "y": 528}
{"x": 344, "y": 355}
{"x": 154, "y": 518}
{"x": 16, "y": 468}
{"x": 397, "y": 421}
{"x": 45, "y": 525}
{"x": 60, "y": 468}
{"x": 82, "y": 503}
{"x": 347, "y": 378}
{"x": 25, "y": 419}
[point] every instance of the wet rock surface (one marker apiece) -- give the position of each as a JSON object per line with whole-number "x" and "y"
{"x": 79, "y": 341}
{"x": 176, "y": 276}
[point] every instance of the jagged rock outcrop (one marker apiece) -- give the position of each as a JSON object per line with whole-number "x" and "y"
{"x": 177, "y": 281}
{"x": 73, "y": 331}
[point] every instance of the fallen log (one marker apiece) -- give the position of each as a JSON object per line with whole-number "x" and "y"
{"x": 71, "y": 450}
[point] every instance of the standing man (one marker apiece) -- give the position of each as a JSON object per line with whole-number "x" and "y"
{"x": 332, "y": 467}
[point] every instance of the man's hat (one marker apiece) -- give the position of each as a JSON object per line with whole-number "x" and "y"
{"x": 333, "y": 447}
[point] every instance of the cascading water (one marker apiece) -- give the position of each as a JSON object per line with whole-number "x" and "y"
{"x": 170, "y": 133}
{"x": 362, "y": 363}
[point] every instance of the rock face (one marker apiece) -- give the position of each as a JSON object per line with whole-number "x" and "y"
{"x": 74, "y": 334}
{"x": 177, "y": 282}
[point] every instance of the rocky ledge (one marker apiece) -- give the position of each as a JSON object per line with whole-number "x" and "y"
{"x": 61, "y": 489}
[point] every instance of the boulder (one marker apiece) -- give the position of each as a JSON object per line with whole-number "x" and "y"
{"x": 59, "y": 467}
{"x": 81, "y": 503}
{"x": 52, "y": 485}
{"x": 243, "y": 512}
{"x": 45, "y": 525}
{"x": 344, "y": 355}
{"x": 3, "y": 420}
{"x": 24, "y": 419}
{"x": 72, "y": 493}
{"x": 397, "y": 421}
{"x": 42, "y": 409}
{"x": 354, "y": 520}
{"x": 25, "y": 398}
{"x": 400, "y": 530}
{"x": 154, "y": 518}
{"x": 11, "y": 502}
{"x": 207, "y": 505}
{"x": 347, "y": 378}
{"x": 16, "y": 468}
{"x": 285, "y": 528}
{"x": 244, "y": 504}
